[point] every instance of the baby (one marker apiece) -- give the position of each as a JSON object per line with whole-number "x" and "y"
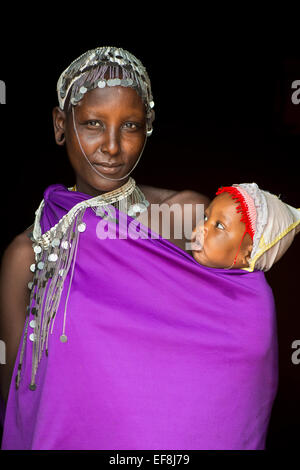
{"x": 244, "y": 228}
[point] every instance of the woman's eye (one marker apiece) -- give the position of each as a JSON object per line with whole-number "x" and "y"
{"x": 131, "y": 126}
{"x": 94, "y": 123}
{"x": 219, "y": 225}
{"x": 205, "y": 218}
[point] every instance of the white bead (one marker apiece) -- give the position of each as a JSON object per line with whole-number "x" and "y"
{"x": 111, "y": 82}
{"x": 52, "y": 257}
{"x": 32, "y": 337}
{"x": 138, "y": 207}
{"x": 32, "y": 268}
{"x": 30, "y": 284}
{"x": 81, "y": 227}
{"x": 101, "y": 84}
{"x": 63, "y": 338}
{"x": 37, "y": 249}
{"x": 55, "y": 242}
{"x": 32, "y": 323}
{"x": 40, "y": 265}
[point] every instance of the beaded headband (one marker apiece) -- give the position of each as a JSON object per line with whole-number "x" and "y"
{"x": 101, "y": 67}
{"x": 246, "y": 206}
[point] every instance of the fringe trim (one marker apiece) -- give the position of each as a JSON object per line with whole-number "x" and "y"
{"x": 55, "y": 255}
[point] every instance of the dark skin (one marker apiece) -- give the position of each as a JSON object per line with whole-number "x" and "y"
{"x": 111, "y": 124}
{"x": 222, "y": 234}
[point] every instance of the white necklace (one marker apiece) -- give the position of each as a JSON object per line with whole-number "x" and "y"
{"x": 55, "y": 256}
{"x": 128, "y": 199}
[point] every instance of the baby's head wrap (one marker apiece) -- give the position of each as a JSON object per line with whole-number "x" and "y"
{"x": 270, "y": 222}
{"x": 101, "y": 67}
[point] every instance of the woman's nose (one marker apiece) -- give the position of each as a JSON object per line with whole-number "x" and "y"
{"x": 110, "y": 143}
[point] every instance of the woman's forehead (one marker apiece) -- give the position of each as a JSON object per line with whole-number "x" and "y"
{"x": 106, "y": 98}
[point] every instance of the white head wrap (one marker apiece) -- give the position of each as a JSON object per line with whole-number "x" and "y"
{"x": 101, "y": 67}
{"x": 277, "y": 224}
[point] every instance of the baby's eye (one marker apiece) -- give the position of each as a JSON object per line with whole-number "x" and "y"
{"x": 221, "y": 226}
{"x": 205, "y": 217}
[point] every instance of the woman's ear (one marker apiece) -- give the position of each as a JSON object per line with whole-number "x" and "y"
{"x": 59, "y": 120}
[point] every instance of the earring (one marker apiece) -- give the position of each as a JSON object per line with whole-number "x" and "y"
{"x": 149, "y": 132}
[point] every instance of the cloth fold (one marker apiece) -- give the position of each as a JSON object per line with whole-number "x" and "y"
{"x": 162, "y": 353}
{"x": 275, "y": 226}
{"x": 282, "y": 226}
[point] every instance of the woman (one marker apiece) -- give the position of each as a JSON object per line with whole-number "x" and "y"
{"x": 117, "y": 351}
{"x": 19, "y": 253}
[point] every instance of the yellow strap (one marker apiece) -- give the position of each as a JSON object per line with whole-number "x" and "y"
{"x": 270, "y": 245}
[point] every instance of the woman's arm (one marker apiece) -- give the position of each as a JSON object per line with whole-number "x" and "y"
{"x": 14, "y": 298}
{"x": 187, "y": 200}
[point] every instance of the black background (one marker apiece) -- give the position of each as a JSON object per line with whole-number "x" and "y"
{"x": 224, "y": 115}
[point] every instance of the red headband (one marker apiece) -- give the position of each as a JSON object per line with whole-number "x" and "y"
{"x": 246, "y": 206}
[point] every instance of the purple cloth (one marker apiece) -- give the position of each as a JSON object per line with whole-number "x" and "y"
{"x": 162, "y": 353}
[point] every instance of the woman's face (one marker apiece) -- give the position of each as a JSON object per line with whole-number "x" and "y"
{"x": 222, "y": 233}
{"x": 111, "y": 125}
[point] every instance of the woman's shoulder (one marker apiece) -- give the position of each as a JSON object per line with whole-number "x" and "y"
{"x": 157, "y": 195}
{"x": 25, "y": 236}
{"x": 19, "y": 248}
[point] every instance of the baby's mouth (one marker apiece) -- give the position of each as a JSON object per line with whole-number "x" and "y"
{"x": 196, "y": 245}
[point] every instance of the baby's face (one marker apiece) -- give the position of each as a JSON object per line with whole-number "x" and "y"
{"x": 222, "y": 234}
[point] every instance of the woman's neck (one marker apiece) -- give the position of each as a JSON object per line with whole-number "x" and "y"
{"x": 106, "y": 187}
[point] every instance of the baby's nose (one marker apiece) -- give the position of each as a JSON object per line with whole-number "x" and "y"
{"x": 199, "y": 233}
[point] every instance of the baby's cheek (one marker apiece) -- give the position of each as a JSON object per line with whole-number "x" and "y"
{"x": 216, "y": 248}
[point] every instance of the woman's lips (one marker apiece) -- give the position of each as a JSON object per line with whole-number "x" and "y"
{"x": 106, "y": 169}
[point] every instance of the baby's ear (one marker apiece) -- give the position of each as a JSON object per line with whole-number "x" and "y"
{"x": 247, "y": 251}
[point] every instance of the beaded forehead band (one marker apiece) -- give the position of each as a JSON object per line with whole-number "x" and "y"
{"x": 101, "y": 67}
{"x": 246, "y": 207}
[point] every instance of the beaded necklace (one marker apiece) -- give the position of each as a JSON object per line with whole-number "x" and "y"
{"x": 55, "y": 256}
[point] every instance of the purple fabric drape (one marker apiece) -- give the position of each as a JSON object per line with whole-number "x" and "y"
{"x": 162, "y": 353}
